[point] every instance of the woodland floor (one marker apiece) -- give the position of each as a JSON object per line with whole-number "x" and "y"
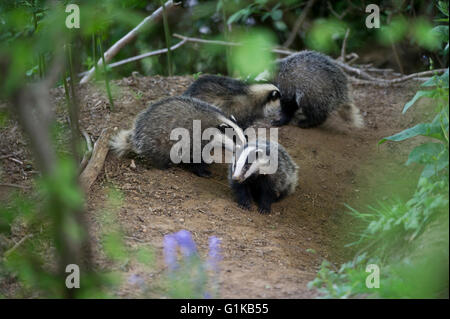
{"x": 264, "y": 256}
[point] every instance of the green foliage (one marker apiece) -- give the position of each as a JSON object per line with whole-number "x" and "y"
{"x": 324, "y": 35}
{"x": 243, "y": 57}
{"x": 408, "y": 240}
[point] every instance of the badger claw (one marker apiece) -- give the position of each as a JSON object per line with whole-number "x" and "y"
{"x": 246, "y": 205}
{"x": 264, "y": 210}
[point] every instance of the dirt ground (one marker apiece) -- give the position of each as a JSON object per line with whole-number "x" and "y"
{"x": 264, "y": 256}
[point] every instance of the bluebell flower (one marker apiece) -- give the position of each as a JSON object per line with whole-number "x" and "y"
{"x": 170, "y": 251}
{"x": 214, "y": 255}
{"x": 135, "y": 279}
{"x": 186, "y": 243}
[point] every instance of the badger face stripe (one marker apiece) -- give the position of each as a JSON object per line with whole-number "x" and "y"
{"x": 262, "y": 88}
{"x": 238, "y": 169}
{"x": 237, "y": 129}
{"x": 258, "y": 165}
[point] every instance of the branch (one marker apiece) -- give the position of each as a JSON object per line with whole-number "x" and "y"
{"x": 93, "y": 168}
{"x": 14, "y": 186}
{"x": 16, "y": 245}
{"x": 344, "y": 45}
{"x": 365, "y": 78}
{"x": 337, "y": 15}
{"x": 383, "y": 82}
{"x": 198, "y": 40}
{"x": 298, "y": 24}
{"x": 284, "y": 51}
{"x": 146, "y": 55}
{"x": 112, "y": 51}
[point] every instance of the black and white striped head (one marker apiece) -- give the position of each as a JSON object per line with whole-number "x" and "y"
{"x": 233, "y": 141}
{"x": 267, "y": 95}
{"x": 252, "y": 160}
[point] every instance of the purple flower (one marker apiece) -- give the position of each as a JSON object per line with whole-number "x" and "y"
{"x": 135, "y": 279}
{"x": 170, "y": 251}
{"x": 214, "y": 256}
{"x": 186, "y": 243}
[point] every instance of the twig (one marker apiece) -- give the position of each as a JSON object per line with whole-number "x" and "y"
{"x": 87, "y": 139}
{"x": 225, "y": 43}
{"x": 14, "y": 186}
{"x": 337, "y": 15}
{"x": 298, "y": 24}
{"x": 15, "y": 160}
{"x": 344, "y": 45}
{"x": 93, "y": 168}
{"x": 112, "y": 51}
{"x": 16, "y": 245}
{"x": 146, "y": 55}
{"x": 10, "y": 155}
{"x": 218, "y": 42}
{"x": 88, "y": 153}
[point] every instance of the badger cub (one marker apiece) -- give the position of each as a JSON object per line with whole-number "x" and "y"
{"x": 312, "y": 86}
{"x": 252, "y": 176}
{"x": 150, "y": 136}
{"x": 246, "y": 102}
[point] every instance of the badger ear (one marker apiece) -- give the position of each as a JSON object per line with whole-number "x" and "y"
{"x": 274, "y": 95}
{"x": 222, "y": 127}
{"x": 233, "y": 118}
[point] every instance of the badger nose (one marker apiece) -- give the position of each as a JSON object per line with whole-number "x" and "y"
{"x": 236, "y": 178}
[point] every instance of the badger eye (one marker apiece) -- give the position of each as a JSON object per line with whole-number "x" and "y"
{"x": 274, "y": 95}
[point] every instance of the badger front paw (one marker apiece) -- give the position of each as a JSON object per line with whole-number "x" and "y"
{"x": 247, "y": 205}
{"x": 264, "y": 210}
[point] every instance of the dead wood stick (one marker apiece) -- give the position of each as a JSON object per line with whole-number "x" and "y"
{"x": 14, "y": 186}
{"x": 344, "y": 45}
{"x": 16, "y": 245}
{"x": 298, "y": 24}
{"x": 93, "y": 168}
{"x": 87, "y": 154}
{"x": 10, "y": 155}
{"x": 225, "y": 43}
{"x": 364, "y": 76}
{"x": 146, "y": 55}
{"x": 112, "y": 51}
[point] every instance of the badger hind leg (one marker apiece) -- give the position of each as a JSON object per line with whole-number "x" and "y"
{"x": 311, "y": 117}
{"x": 351, "y": 114}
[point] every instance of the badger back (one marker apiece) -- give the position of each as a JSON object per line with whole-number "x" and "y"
{"x": 315, "y": 75}
{"x": 153, "y": 127}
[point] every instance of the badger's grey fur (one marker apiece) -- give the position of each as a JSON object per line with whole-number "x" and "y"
{"x": 150, "y": 135}
{"x": 249, "y": 180}
{"x": 246, "y": 102}
{"x": 312, "y": 86}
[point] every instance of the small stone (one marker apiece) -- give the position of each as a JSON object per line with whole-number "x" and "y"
{"x": 133, "y": 165}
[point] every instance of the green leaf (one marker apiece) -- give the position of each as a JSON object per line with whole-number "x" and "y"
{"x": 280, "y": 25}
{"x": 236, "y": 16}
{"x": 416, "y": 97}
{"x": 425, "y": 153}
{"x": 441, "y": 32}
{"x": 443, "y": 7}
{"x": 278, "y": 14}
{"x": 424, "y": 129}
